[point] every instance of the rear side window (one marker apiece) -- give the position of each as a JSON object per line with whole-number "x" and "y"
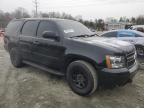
{"x": 46, "y": 26}
{"x": 29, "y": 28}
{"x": 13, "y": 28}
{"x": 110, "y": 34}
{"x": 126, "y": 34}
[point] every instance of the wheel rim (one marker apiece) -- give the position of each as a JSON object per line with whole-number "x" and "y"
{"x": 140, "y": 51}
{"x": 79, "y": 80}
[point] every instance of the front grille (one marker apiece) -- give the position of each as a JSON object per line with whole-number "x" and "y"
{"x": 130, "y": 58}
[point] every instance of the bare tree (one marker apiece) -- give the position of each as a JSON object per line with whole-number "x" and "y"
{"x": 140, "y": 20}
{"x": 20, "y": 13}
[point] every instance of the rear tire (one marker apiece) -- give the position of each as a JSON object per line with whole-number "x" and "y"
{"x": 16, "y": 58}
{"x": 82, "y": 78}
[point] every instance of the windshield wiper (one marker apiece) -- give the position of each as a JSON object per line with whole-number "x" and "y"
{"x": 84, "y": 35}
{"x": 95, "y": 34}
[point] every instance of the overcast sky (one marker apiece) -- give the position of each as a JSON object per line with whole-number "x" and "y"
{"x": 88, "y": 9}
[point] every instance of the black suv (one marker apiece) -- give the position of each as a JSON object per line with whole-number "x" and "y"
{"x": 68, "y": 48}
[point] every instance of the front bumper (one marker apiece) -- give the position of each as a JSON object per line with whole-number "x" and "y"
{"x": 117, "y": 76}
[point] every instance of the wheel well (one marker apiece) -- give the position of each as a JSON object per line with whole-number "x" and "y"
{"x": 71, "y": 59}
{"x": 11, "y": 46}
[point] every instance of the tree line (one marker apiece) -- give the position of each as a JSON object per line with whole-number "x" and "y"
{"x": 97, "y": 24}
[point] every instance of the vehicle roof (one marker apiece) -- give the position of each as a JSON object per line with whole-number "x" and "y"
{"x": 50, "y": 19}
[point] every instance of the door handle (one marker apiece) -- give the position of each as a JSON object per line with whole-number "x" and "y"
{"x": 36, "y": 42}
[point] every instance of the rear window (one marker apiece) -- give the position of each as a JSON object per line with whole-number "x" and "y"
{"x": 13, "y": 28}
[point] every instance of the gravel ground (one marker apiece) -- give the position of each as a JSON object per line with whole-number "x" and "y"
{"x": 29, "y": 87}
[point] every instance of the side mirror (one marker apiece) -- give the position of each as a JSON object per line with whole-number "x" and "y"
{"x": 50, "y": 35}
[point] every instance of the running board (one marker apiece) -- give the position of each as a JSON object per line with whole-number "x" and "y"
{"x": 51, "y": 71}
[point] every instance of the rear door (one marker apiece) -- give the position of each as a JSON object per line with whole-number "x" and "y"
{"x": 47, "y": 51}
{"x": 28, "y": 33}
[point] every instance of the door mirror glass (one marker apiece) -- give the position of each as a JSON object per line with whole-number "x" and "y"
{"x": 50, "y": 35}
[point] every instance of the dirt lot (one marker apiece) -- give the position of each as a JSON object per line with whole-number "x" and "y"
{"x": 32, "y": 88}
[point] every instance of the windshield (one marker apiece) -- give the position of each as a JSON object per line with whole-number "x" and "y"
{"x": 73, "y": 28}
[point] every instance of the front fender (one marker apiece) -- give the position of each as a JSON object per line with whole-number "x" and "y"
{"x": 85, "y": 52}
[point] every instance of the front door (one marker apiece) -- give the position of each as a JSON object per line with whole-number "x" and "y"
{"x": 47, "y": 51}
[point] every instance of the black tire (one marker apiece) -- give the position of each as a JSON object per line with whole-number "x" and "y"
{"x": 82, "y": 78}
{"x": 15, "y": 57}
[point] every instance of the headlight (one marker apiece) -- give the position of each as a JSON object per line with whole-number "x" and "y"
{"x": 135, "y": 55}
{"x": 115, "y": 62}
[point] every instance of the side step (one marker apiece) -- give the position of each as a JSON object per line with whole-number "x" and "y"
{"x": 44, "y": 68}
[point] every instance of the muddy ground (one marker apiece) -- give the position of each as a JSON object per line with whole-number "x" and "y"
{"x": 29, "y": 87}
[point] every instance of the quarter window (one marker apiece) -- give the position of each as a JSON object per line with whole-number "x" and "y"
{"x": 13, "y": 28}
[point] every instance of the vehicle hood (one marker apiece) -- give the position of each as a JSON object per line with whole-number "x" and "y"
{"x": 108, "y": 43}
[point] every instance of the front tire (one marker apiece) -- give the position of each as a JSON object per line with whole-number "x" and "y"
{"x": 82, "y": 78}
{"x": 15, "y": 57}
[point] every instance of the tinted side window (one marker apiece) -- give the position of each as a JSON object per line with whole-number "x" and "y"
{"x": 13, "y": 28}
{"x": 29, "y": 28}
{"x": 110, "y": 34}
{"x": 46, "y": 26}
{"x": 125, "y": 34}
